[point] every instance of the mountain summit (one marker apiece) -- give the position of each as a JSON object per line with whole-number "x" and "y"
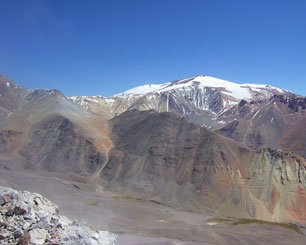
{"x": 235, "y": 90}
{"x": 203, "y": 100}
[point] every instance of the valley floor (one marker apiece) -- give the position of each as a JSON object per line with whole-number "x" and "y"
{"x": 141, "y": 222}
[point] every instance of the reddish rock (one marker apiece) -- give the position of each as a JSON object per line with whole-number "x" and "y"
{"x": 7, "y": 198}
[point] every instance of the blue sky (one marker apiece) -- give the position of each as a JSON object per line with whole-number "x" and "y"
{"x": 106, "y": 47}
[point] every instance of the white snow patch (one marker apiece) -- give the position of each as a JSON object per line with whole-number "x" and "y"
{"x": 8, "y": 84}
{"x": 149, "y": 88}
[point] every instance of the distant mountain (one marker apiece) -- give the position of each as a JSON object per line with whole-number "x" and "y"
{"x": 255, "y": 116}
{"x": 278, "y": 123}
{"x": 203, "y": 100}
{"x": 165, "y": 143}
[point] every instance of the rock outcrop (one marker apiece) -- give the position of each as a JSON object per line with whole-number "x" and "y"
{"x": 29, "y": 218}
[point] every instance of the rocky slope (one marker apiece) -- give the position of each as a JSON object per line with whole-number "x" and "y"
{"x": 29, "y": 218}
{"x": 277, "y": 123}
{"x": 165, "y": 159}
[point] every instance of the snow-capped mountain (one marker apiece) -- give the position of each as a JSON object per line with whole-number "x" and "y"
{"x": 204, "y": 100}
{"x": 161, "y": 157}
{"x": 235, "y": 90}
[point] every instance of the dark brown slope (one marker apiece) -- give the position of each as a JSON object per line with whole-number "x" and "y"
{"x": 54, "y": 145}
{"x": 277, "y": 123}
{"x": 164, "y": 158}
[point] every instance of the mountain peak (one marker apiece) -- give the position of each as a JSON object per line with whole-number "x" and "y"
{"x": 201, "y": 82}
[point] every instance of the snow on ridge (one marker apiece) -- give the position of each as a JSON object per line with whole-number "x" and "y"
{"x": 259, "y": 87}
{"x": 144, "y": 89}
{"x": 232, "y": 89}
{"x": 238, "y": 91}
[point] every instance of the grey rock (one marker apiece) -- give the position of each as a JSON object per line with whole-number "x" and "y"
{"x": 17, "y": 233}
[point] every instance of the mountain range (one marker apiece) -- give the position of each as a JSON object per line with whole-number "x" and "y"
{"x": 199, "y": 144}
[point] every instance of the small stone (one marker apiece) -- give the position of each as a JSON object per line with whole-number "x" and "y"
{"x": 17, "y": 233}
{"x": 38, "y": 236}
{"x": 45, "y": 222}
{"x": 6, "y": 198}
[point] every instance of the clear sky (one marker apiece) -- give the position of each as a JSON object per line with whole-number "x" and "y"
{"x": 86, "y": 47}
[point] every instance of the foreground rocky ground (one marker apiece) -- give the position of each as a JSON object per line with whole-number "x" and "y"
{"x": 29, "y": 218}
